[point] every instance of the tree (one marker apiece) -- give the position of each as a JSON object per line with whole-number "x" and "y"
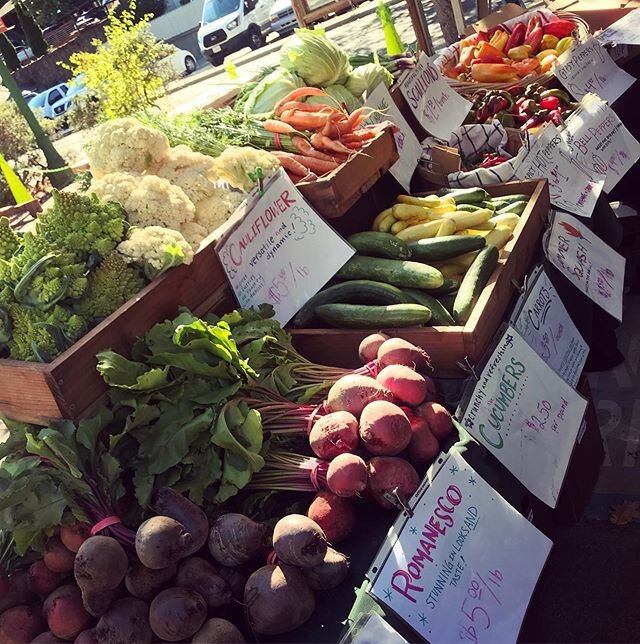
{"x": 32, "y": 33}
{"x": 8, "y": 52}
{"x": 46, "y": 12}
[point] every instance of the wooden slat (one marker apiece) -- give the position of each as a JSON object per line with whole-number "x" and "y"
{"x": 25, "y": 392}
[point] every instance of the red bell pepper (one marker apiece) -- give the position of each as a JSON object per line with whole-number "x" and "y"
{"x": 517, "y": 37}
{"x": 550, "y": 103}
{"x": 559, "y": 28}
{"x": 534, "y": 39}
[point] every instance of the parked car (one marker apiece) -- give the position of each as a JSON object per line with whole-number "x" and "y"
{"x": 282, "y": 17}
{"x": 57, "y": 100}
{"x": 229, "y": 25}
{"x": 183, "y": 62}
{"x": 90, "y": 17}
{"x": 24, "y": 53}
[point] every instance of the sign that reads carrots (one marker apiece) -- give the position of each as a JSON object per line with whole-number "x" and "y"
{"x": 278, "y": 250}
{"x": 450, "y": 573}
{"x": 438, "y": 108}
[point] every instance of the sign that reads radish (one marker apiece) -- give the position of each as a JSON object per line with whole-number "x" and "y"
{"x": 279, "y": 251}
{"x": 438, "y": 108}
{"x": 587, "y": 262}
{"x": 451, "y": 573}
{"x": 526, "y": 415}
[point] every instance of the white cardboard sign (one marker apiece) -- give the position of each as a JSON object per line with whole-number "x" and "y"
{"x": 587, "y": 67}
{"x": 279, "y": 250}
{"x": 542, "y": 320}
{"x": 438, "y": 108}
{"x": 625, "y": 31}
{"x": 464, "y": 567}
{"x": 587, "y": 262}
{"x": 600, "y": 142}
{"x": 407, "y": 142}
{"x": 526, "y": 415}
{"x": 549, "y": 157}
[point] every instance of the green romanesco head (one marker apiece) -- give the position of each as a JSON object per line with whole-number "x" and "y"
{"x": 9, "y": 241}
{"x": 111, "y": 285}
{"x": 83, "y": 224}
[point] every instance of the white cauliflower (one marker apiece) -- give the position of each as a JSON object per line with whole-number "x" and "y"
{"x": 213, "y": 211}
{"x": 194, "y": 233}
{"x": 125, "y": 145}
{"x": 236, "y": 164}
{"x": 155, "y": 249}
{"x": 116, "y": 186}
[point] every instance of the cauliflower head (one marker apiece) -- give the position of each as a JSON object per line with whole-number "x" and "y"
{"x": 213, "y": 211}
{"x": 125, "y": 145}
{"x": 116, "y": 186}
{"x": 155, "y": 249}
{"x": 9, "y": 241}
{"x": 236, "y": 164}
{"x": 194, "y": 233}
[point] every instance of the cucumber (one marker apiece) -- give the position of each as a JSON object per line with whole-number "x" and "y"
{"x": 437, "y": 249}
{"x": 511, "y": 198}
{"x": 450, "y": 285}
{"x": 354, "y": 316}
{"x": 469, "y": 207}
{"x": 515, "y": 208}
{"x": 500, "y": 204}
{"x": 488, "y": 204}
{"x": 439, "y": 315}
{"x": 379, "y": 245}
{"x": 355, "y": 291}
{"x": 465, "y": 195}
{"x": 391, "y": 271}
{"x": 473, "y": 282}
{"x": 447, "y": 301}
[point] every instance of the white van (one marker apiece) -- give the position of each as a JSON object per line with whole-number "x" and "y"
{"x": 230, "y": 25}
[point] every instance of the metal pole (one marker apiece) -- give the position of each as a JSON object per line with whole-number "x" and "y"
{"x": 420, "y": 26}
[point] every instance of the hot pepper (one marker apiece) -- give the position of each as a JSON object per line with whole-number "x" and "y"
{"x": 492, "y": 159}
{"x": 537, "y": 119}
{"x": 517, "y": 36}
{"x": 519, "y": 53}
{"x": 516, "y": 90}
{"x": 558, "y": 93}
{"x": 559, "y": 28}
{"x": 556, "y": 117}
{"x": 493, "y": 73}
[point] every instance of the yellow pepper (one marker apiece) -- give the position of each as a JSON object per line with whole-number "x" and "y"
{"x": 547, "y": 63}
{"x": 499, "y": 39}
{"x": 519, "y": 53}
{"x": 547, "y": 52}
{"x": 549, "y": 42}
{"x": 564, "y": 44}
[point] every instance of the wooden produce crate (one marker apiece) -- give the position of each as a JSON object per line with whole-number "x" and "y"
{"x": 70, "y": 386}
{"x": 448, "y": 345}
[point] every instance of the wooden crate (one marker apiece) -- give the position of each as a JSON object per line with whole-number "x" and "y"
{"x": 449, "y": 345}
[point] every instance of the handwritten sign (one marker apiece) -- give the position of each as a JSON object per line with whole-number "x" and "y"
{"x": 279, "y": 251}
{"x": 526, "y": 415}
{"x": 587, "y": 262}
{"x": 587, "y": 67}
{"x": 438, "y": 108}
{"x": 600, "y": 142}
{"x": 464, "y": 567}
{"x": 542, "y": 320}
{"x": 625, "y": 31}
{"x": 407, "y": 142}
{"x": 549, "y": 157}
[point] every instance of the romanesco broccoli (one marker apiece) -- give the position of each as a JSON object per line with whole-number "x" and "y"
{"x": 9, "y": 241}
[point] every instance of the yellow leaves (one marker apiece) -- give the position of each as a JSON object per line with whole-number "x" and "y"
{"x": 625, "y": 512}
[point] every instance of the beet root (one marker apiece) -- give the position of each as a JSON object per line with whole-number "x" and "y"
{"x": 407, "y": 386}
{"x": 438, "y": 417}
{"x": 160, "y": 541}
{"x": 144, "y": 583}
{"x": 100, "y": 564}
{"x": 334, "y": 434}
{"x": 277, "y": 600}
{"x": 386, "y": 474}
{"x": 368, "y": 349}
{"x": 177, "y": 613}
{"x": 47, "y": 638}
{"x": 86, "y": 637}
{"x": 399, "y": 351}
{"x": 235, "y": 539}
{"x": 73, "y": 536}
{"x": 347, "y": 475}
{"x": 19, "y": 591}
{"x": 353, "y": 393}
{"x": 199, "y": 575}
{"x": 236, "y": 578}
{"x": 334, "y": 514}
{"x": 65, "y": 613}
{"x": 424, "y": 446}
{"x": 299, "y": 541}
{"x": 41, "y": 580}
{"x": 57, "y": 557}
{"x": 218, "y": 631}
{"x": 384, "y": 428}
{"x": 21, "y": 624}
{"x": 126, "y": 622}
{"x": 330, "y": 573}
{"x": 432, "y": 395}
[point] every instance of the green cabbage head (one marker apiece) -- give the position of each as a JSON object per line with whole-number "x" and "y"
{"x": 341, "y": 95}
{"x": 268, "y": 92}
{"x": 368, "y": 77}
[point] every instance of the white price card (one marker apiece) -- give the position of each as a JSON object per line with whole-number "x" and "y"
{"x": 409, "y": 147}
{"x": 587, "y": 262}
{"x": 600, "y": 142}
{"x": 464, "y": 566}
{"x": 542, "y": 320}
{"x": 625, "y": 31}
{"x": 438, "y": 108}
{"x": 526, "y": 415}
{"x": 587, "y": 67}
{"x": 549, "y": 157}
{"x": 279, "y": 251}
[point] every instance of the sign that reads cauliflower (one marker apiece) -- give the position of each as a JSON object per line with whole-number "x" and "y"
{"x": 279, "y": 251}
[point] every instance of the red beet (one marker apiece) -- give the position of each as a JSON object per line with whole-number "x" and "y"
{"x": 424, "y": 446}
{"x": 73, "y": 536}
{"x": 407, "y": 386}
{"x": 387, "y": 474}
{"x": 57, "y": 557}
{"x": 438, "y": 417}
{"x": 368, "y": 349}
{"x": 384, "y": 428}
{"x": 333, "y": 514}
{"x": 41, "y": 580}
{"x": 65, "y": 613}
{"x": 399, "y": 351}
{"x": 334, "y": 434}
{"x": 347, "y": 475}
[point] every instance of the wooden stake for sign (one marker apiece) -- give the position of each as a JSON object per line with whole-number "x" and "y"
{"x": 451, "y": 19}
{"x": 420, "y": 26}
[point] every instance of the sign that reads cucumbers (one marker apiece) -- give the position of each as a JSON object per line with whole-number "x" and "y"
{"x": 526, "y": 415}
{"x": 278, "y": 250}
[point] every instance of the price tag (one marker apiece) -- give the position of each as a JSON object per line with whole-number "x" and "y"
{"x": 464, "y": 567}
{"x": 407, "y": 142}
{"x": 279, "y": 250}
{"x": 587, "y": 67}
{"x": 600, "y": 142}
{"x": 542, "y": 320}
{"x": 549, "y": 157}
{"x": 438, "y": 108}
{"x": 526, "y": 415}
{"x": 625, "y": 31}
{"x": 587, "y": 262}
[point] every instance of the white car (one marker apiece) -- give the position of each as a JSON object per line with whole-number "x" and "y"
{"x": 56, "y": 100}
{"x": 183, "y": 62}
{"x": 282, "y": 17}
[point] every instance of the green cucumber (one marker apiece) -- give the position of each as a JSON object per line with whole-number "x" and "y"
{"x": 450, "y": 285}
{"x": 488, "y": 204}
{"x": 511, "y": 198}
{"x": 391, "y": 271}
{"x": 448, "y": 301}
{"x": 500, "y": 204}
{"x": 379, "y": 245}
{"x": 359, "y": 316}
{"x": 439, "y": 315}
{"x": 474, "y": 281}
{"x": 517, "y": 208}
{"x": 437, "y": 249}
{"x": 469, "y": 207}
{"x": 465, "y": 195}
{"x": 352, "y": 292}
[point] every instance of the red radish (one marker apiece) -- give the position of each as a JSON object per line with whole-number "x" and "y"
{"x": 438, "y": 417}
{"x": 387, "y": 474}
{"x": 368, "y": 349}
{"x": 57, "y": 557}
{"x": 424, "y": 446}
{"x": 432, "y": 395}
{"x": 347, "y": 475}
{"x": 384, "y": 428}
{"x": 334, "y": 434}
{"x": 41, "y": 580}
{"x": 408, "y": 386}
{"x": 399, "y": 351}
{"x": 65, "y": 613}
{"x": 333, "y": 514}
{"x": 353, "y": 393}
{"x": 73, "y": 536}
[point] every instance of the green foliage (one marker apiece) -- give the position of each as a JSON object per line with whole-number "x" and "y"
{"x": 31, "y": 30}
{"x": 8, "y": 52}
{"x": 84, "y": 112}
{"x": 142, "y": 8}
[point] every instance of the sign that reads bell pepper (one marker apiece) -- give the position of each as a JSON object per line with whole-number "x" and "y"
{"x": 526, "y": 415}
{"x": 278, "y": 250}
{"x": 464, "y": 566}
{"x": 587, "y": 262}
{"x": 587, "y": 67}
{"x": 438, "y": 108}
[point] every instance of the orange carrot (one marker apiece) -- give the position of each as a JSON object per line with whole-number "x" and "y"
{"x": 315, "y": 165}
{"x": 278, "y": 127}
{"x": 358, "y": 136}
{"x": 308, "y": 107}
{"x": 301, "y": 92}
{"x": 355, "y": 145}
{"x": 290, "y": 164}
{"x": 306, "y": 149}
{"x": 305, "y": 120}
{"x": 321, "y": 142}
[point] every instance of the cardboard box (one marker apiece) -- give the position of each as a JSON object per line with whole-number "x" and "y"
{"x": 598, "y": 14}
